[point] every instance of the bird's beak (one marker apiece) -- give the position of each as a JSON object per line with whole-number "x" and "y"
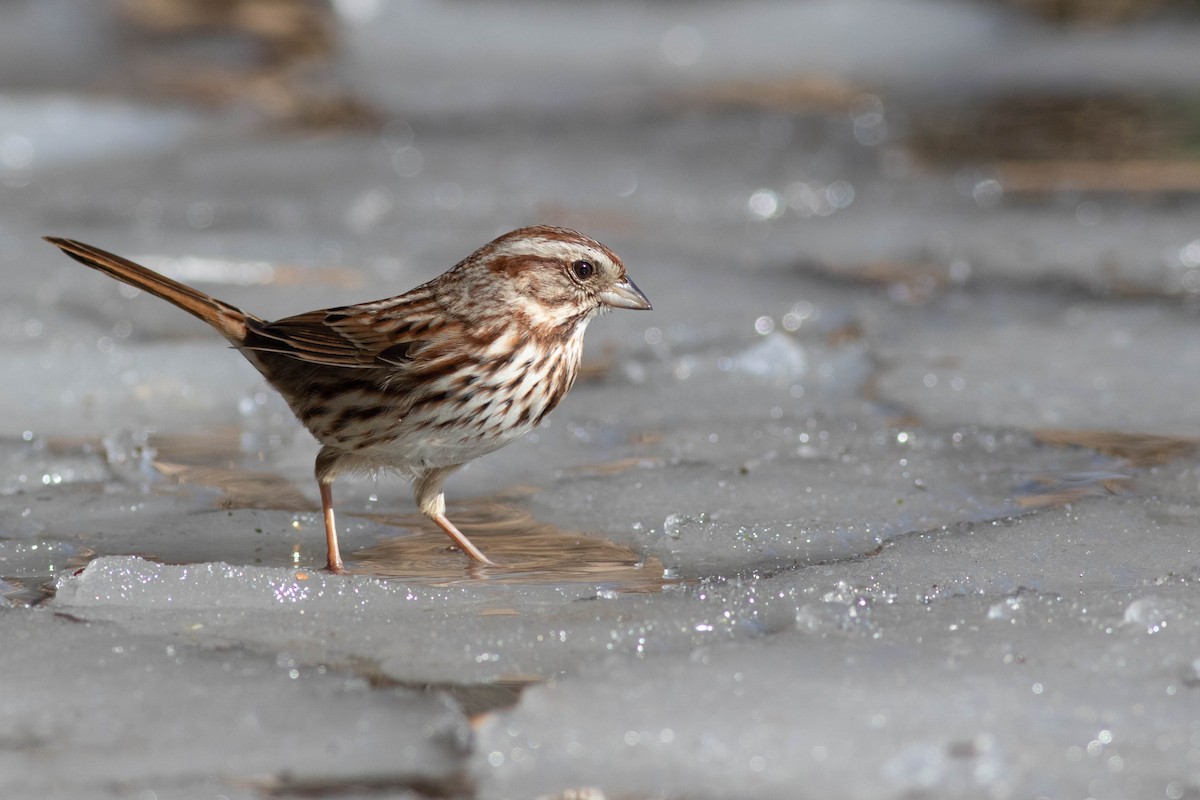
{"x": 624, "y": 294}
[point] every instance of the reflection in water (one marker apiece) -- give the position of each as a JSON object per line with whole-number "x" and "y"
{"x": 28, "y": 569}
{"x": 525, "y": 551}
{"x": 242, "y": 488}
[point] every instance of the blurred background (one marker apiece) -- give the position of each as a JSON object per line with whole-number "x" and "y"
{"x": 768, "y": 119}
{"x": 909, "y": 442}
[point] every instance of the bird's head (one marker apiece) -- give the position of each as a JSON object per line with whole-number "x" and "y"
{"x": 552, "y": 276}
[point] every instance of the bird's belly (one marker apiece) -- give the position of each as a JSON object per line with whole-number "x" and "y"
{"x": 424, "y": 448}
{"x": 441, "y": 434}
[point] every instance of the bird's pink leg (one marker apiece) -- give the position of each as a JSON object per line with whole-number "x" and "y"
{"x": 428, "y": 492}
{"x": 331, "y": 542}
{"x": 460, "y": 539}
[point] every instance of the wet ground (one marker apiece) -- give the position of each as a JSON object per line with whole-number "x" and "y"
{"x": 895, "y": 493}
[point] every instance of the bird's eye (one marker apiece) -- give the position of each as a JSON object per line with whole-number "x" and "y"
{"x": 583, "y": 269}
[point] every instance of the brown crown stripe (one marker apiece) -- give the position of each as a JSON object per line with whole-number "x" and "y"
{"x": 514, "y": 264}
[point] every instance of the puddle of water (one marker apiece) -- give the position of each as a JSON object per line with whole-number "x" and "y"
{"x": 242, "y": 488}
{"x": 525, "y": 551}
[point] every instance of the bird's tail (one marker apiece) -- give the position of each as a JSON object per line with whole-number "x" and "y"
{"x": 230, "y": 321}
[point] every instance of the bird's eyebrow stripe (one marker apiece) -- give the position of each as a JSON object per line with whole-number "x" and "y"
{"x": 548, "y": 249}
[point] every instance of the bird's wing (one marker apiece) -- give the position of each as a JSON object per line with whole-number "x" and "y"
{"x": 341, "y": 337}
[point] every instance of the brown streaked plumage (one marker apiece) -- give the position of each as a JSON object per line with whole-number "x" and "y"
{"x": 433, "y": 378}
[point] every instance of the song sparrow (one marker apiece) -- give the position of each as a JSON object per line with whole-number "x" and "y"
{"x": 427, "y": 381}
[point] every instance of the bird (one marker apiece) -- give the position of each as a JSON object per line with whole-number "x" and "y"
{"x": 423, "y": 382}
